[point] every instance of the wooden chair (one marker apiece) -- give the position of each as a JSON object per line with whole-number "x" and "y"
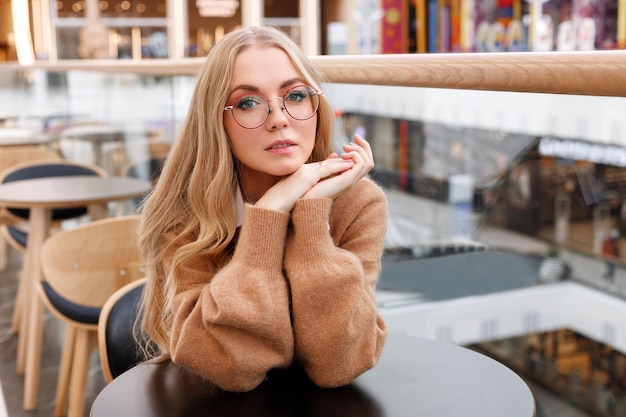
{"x": 117, "y": 342}
{"x": 14, "y": 230}
{"x": 9, "y": 158}
{"x": 82, "y": 267}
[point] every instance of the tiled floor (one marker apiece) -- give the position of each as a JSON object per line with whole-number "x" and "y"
{"x": 12, "y": 384}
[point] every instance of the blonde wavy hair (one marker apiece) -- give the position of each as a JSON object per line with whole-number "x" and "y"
{"x": 194, "y": 198}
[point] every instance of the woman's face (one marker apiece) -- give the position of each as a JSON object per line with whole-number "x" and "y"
{"x": 281, "y": 144}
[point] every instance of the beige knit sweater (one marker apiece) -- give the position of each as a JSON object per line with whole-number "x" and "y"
{"x": 300, "y": 287}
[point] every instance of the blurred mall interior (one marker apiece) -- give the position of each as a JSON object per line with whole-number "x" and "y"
{"x": 541, "y": 176}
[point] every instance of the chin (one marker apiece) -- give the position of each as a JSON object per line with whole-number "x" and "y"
{"x": 281, "y": 170}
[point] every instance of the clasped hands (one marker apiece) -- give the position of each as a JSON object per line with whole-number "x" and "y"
{"x": 327, "y": 178}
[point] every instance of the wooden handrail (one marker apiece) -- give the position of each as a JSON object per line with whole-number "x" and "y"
{"x": 598, "y": 73}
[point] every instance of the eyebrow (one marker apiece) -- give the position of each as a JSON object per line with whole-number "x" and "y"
{"x": 248, "y": 87}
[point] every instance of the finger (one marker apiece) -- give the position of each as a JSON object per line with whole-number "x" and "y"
{"x": 365, "y": 145}
{"x": 354, "y": 155}
{"x": 362, "y": 156}
{"x": 365, "y": 155}
{"x": 361, "y": 141}
{"x": 333, "y": 165}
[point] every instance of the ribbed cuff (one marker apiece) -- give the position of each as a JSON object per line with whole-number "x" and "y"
{"x": 262, "y": 238}
{"x": 310, "y": 223}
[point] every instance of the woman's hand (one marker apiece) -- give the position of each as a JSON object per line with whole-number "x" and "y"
{"x": 327, "y": 178}
{"x": 332, "y": 185}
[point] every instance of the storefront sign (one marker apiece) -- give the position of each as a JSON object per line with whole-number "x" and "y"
{"x": 583, "y": 151}
{"x": 217, "y": 8}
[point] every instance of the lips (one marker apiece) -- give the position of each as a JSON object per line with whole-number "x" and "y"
{"x": 280, "y": 144}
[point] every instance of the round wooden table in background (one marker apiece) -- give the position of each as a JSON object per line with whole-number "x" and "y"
{"x": 15, "y": 136}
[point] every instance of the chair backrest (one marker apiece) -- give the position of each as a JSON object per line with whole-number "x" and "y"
{"x": 15, "y": 156}
{"x": 49, "y": 168}
{"x": 117, "y": 344}
{"x": 87, "y": 263}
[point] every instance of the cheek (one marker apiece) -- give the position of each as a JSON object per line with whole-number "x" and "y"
{"x": 236, "y": 135}
{"x": 309, "y": 129}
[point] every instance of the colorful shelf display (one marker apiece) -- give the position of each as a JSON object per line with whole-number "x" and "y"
{"x": 418, "y": 26}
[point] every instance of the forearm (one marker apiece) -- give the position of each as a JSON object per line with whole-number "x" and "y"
{"x": 339, "y": 333}
{"x": 332, "y": 276}
{"x": 234, "y": 325}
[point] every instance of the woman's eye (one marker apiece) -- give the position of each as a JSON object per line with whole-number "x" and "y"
{"x": 296, "y": 95}
{"x": 248, "y": 102}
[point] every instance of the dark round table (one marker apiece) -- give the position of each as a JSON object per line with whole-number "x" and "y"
{"x": 414, "y": 377}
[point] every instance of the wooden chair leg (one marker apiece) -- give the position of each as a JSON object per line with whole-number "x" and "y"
{"x": 65, "y": 370}
{"x": 3, "y": 253}
{"x": 19, "y": 321}
{"x": 18, "y": 308}
{"x": 80, "y": 372}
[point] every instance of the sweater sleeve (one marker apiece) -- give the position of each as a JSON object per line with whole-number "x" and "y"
{"x": 232, "y": 326}
{"x": 332, "y": 261}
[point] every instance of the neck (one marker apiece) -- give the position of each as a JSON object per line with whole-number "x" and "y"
{"x": 255, "y": 184}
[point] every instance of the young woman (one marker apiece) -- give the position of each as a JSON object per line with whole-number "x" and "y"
{"x": 262, "y": 246}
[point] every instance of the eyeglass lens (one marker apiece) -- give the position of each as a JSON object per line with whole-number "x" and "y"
{"x": 251, "y": 111}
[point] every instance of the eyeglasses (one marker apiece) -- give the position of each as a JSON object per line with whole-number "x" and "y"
{"x": 252, "y": 110}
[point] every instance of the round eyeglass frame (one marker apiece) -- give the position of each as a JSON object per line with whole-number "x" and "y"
{"x": 313, "y": 92}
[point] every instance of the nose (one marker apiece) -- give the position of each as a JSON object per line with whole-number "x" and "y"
{"x": 282, "y": 104}
{"x": 276, "y": 118}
